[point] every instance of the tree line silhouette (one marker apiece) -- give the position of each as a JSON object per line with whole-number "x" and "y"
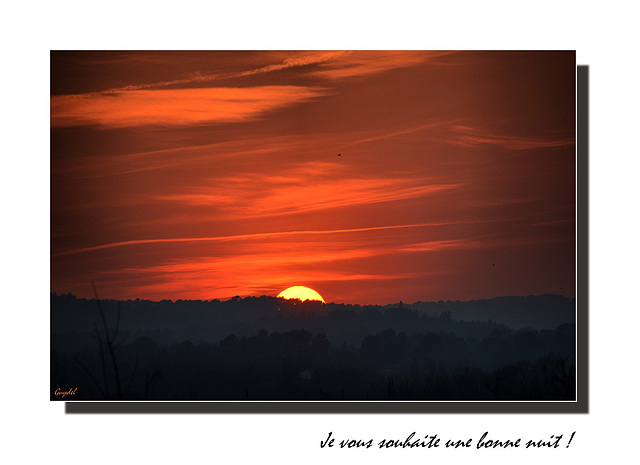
{"x": 267, "y": 348}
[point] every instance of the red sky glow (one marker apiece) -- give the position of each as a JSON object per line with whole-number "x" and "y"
{"x": 206, "y": 175}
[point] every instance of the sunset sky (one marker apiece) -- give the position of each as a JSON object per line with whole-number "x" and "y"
{"x": 206, "y": 175}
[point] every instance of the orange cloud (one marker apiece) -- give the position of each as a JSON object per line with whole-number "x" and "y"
{"x": 473, "y": 137}
{"x": 339, "y": 193}
{"x": 307, "y": 187}
{"x": 436, "y": 245}
{"x": 284, "y": 200}
{"x": 363, "y": 63}
{"x": 154, "y": 104}
{"x": 174, "y": 107}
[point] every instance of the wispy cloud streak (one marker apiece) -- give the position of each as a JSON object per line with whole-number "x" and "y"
{"x": 244, "y": 237}
{"x": 303, "y": 188}
{"x": 289, "y": 199}
{"x": 365, "y": 63}
{"x": 329, "y": 65}
{"x": 295, "y": 61}
{"x": 474, "y": 137}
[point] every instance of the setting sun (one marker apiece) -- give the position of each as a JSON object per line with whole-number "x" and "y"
{"x": 301, "y": 293}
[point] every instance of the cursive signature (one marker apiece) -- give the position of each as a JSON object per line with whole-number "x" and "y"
{"x": 70, "y": 392}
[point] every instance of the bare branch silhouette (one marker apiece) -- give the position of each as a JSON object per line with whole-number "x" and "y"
{"x": 109, "y": 341}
